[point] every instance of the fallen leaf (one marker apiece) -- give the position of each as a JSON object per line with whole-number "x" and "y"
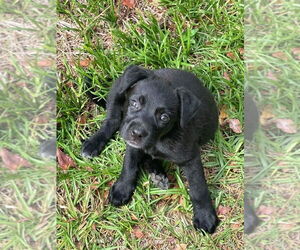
{"x": 241, "y": 50}
{"x": 208, "y": 42}
{"x": 271, "y": 75}
{"x": 129, "y": 3}
{"x": 266, "y": 210}
{"x": 280, "y": 55}
{"x": 287, "y": 226}
{"x": 105, "y": 195}
{"x": 64, "y": 161}
{"x": 45, "y": 63}
{"x": 85, "y": 62}
{"x": 223, "y": 115}
{"x": 41, "y": 119}
{"x": 235, "y": 125}
{"x": 12, "y": 161}
{"x": 235, "y": 226}
{"x": 70, "y": 84}
{"x": 223, "y": 210}
{"x": 82, "y": 119}
{"x": 88, "y": 168}
{"x": 21, "y": 84}
{"x": 226, "y": 76}
{"x": 286, "y": 125}
{"x": 134, "y": 218}
{"x": 137, "y": 232}
{"x": 231, "y": 55}
{"x": 95, "y": 185}
{"x": 296, "y": 52}
{"x": 266, "y": 116}
{"x": 110, "y": 183}
{"x": 180, "y": 247}
{"x": 181, "y": 200}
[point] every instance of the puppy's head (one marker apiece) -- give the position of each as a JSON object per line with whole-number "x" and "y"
{"x": 153, "y": 108}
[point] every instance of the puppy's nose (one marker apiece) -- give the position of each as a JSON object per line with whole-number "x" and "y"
{"x": 137, "y": 133}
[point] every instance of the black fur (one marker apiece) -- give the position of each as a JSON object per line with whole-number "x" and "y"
{"x": 162, "y": 115}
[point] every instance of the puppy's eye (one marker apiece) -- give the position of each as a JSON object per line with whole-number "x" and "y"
{"x": 134, "y": 104}
{"x": 164, "y": 117}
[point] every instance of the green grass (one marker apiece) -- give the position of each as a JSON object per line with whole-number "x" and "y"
{"x": 176, "y": 34}
{"x": 273, "y": 165}
{"x": 27, "y": 205}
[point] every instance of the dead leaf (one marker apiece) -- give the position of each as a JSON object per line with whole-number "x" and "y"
{"x": 85, "y": 62}
{"x": 266, "y": 210}
{"x": 241, "y": 50}
{"x": 235, "y": 125}
{"x": 271, "y": 75}
{"x": 226, "y": 76}
{"x": 208, "y": 43}
{"x": 266, "y": 116}
{"x": 88, "y": 168}
{"x": 287, "y": 226}
{"x": 180, "y": 247}
{"x": 296, "y": 52}
{"x": 235, "y": 226}
{"x": 223, "y": 210}
{"x": 129, "y": 3}
{"x": 70, "y": 84}
{"x": 95, "y": 185}
{"x": 231, "y": 55}
{"x": 137, "y": 232}
{"x": 82, "y": 119}
{"x": 45, "y": 63}
{"x": 134, "y": 218}
{"x": 105, "y": 195}
{"x": 64, "y": 161}
{"x": 110, "y": 183}
{"x": 286, "y": 125}
{"x": 280, "y": 55}
{"x": 22, "y": 84}
{"x": 94, "y": 226}
{"x": 41, "y": 119}
{"x": 223, "y": 115}
{"x": 12, "y": 161}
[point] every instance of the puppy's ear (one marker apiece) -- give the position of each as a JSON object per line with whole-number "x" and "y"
{"x": 131, "y": 75}
{"x": 189, "y": 105}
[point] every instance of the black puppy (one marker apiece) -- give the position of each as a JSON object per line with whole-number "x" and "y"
{"x": 162, "y": 115}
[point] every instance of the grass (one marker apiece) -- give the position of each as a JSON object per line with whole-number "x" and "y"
{"x": 273, "y": 168}
{"x": 205, "y": 38}
{"x": 27, "y": 205}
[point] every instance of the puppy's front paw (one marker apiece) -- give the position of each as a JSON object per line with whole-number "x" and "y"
{"x": 206, "y": 219}
{"x": 90, "y": 148}
{"x": 120, "y": 193}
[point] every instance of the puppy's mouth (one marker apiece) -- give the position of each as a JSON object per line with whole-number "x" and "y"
{"x": 133, "y": 144}
{"x": 134, "y": 135}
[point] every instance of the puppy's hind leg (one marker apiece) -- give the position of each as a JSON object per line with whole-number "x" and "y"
{"x": 157, "y": 173}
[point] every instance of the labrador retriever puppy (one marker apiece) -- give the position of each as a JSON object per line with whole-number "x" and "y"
{"x": 162, "y": 114}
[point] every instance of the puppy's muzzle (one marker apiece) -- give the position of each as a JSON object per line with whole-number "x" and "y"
{"x": 136, "y": 134}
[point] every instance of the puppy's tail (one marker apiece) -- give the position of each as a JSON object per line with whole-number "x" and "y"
{"x": 96, "y": 99}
